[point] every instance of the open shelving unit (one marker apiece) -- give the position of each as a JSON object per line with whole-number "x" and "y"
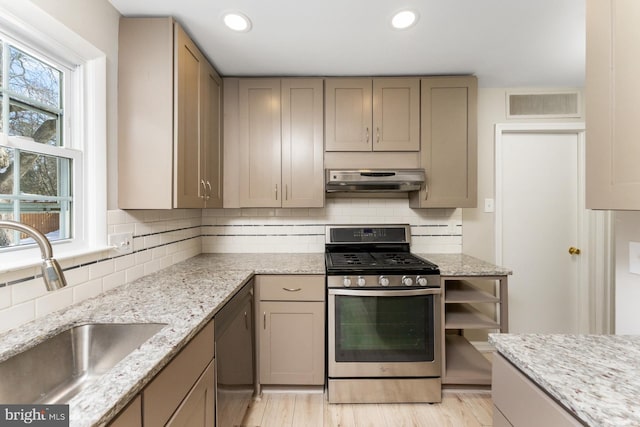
{"x": 463, "y": 364}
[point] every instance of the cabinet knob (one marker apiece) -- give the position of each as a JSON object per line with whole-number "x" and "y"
{"x": 574, "y": 251}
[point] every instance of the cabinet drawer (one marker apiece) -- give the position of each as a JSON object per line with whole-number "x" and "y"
{"x": 291, "y": 288}
{"x": 164, "y": 394}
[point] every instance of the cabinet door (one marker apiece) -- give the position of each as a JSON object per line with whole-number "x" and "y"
{"x": 198, "y": 408}
{"x": 131, "y": 416}
{"x": 164, "y": 394}
{"x": 259, "y": 137}
{"x": 145, "y": 113}
{"x": 396, "y": 115}
{"x": 348, "y": 120}
{"x": 291, "y": 342}
{"x": 449, "y": 143}
{"x": 612, "y": 108}
{"x": 211, "y": 138}
{"x": 188, "y": 164}
{"x": 302, "y": 143}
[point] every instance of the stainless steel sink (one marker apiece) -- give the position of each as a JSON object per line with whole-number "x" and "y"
{"x": 60, "y": 367}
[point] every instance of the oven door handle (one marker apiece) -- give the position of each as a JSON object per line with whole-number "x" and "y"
{"x": 385, "y": 293}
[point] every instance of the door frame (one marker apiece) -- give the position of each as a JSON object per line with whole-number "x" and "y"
{"x": 595, "y": 232}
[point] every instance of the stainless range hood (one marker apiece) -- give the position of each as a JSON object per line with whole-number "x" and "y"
{"x": 373, "y": 180}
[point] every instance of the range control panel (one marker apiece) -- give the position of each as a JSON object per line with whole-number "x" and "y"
{"x": 384, "y": 281}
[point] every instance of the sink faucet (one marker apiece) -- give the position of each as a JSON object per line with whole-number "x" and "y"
{"x": 51, "y": 271}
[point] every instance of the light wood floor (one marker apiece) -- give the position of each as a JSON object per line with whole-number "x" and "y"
{"x": 312, "y": 410}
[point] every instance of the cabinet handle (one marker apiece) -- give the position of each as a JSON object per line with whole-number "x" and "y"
{"x": 367, "y": 140}
{"x": 377, "y": 135}
{"x": 204, "y": 189}
{"x": 426, "y": 191}
{"x": 276, "y": 191}
{"x": 209, "y": 192}
{"x": 264, "y": 320}
{"x": 292, "y": 290}
{"x": 246, "y": 324}
{"x": 286, "y": 191}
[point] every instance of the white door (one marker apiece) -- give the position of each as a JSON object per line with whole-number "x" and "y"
{"x": 538, "y": 194}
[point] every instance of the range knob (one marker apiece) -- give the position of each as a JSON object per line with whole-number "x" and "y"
{"x": 407, "y": 281}
{"x": 422, "y": 281}
{"x": 361, "y": 281}
{"x": 346, "y": 281}
{"x": 383, "y": 281}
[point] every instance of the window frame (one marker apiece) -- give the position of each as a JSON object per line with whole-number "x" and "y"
{"x": 84, "y": 127}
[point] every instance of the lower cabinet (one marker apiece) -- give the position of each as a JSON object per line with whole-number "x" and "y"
{"x": 519, "y": 402}
{"x": 182, "y": 394}
{"x": 290, "y": 329}
{"x": 198, "y": 408}
{"x": 131, "y": 416}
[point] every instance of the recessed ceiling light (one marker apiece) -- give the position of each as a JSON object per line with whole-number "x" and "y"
{"x": 237, "y": 22}
{"x": 404, "y": 19}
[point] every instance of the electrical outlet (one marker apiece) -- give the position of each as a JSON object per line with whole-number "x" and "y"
{"x": 121, "y": 242}
{"x": 489, "y": 205}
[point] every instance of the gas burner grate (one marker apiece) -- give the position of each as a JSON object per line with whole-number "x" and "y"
{"x": 351, "y": 259}
{"x": 398, "y": 258}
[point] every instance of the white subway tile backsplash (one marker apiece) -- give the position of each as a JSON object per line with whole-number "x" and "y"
{"x": 142, "y": 257}
{"x": 152, "y": 266}
{"x": 124, "y": 262}
{"x": 17, "y": 315}
{"x": 28, "y": 290}
{"x": 163, "y": 238}
{"x": 5, "y": 297}
{"x": 75, "y": 276}
{"x": 101, "y": 269}
{"x": 54, "y": 301}
{"x": 87, "y": 290}
{"x": 302, "y": 230}
{"x": 113, "y": 280}
{"x": 134, "y": 273}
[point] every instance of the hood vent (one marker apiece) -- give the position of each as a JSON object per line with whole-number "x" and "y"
{"x": 374, "y": 180}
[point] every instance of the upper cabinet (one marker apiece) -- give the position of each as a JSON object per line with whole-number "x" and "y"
{"x": 273, "y": 132}
{"x": 169, "y": 148}
{"x": 302, "y": 137}
{"x": 449, "y": 143}
{"x": 612, "y": 108}
{"x": 381, "y": 114}
{"x": 260, "y": 141}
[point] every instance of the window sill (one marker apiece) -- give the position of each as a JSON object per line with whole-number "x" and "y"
{"x": 33, "y": 259}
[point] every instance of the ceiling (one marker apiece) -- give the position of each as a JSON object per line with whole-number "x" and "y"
{"x": 506, "y": 43}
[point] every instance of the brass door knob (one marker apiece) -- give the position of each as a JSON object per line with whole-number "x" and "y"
{"x": 574, "y": 251}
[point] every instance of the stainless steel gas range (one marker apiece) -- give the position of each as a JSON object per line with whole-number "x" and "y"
{"x": 383, "y": 317}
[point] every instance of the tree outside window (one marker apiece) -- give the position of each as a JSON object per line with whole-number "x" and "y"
{"x": 35, "y": 171}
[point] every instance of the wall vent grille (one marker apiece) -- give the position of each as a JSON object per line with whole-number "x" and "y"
{"x": 547, "y": 105}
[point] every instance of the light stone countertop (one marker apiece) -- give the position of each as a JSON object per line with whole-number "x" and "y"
{"x": 595, "y": 377}
{"x": 185, "y": 297}
{"x": 464, "y": 265}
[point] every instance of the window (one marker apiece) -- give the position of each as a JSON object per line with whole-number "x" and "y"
{"x": 53, "y": 106}
{"x": 36, "y": 167}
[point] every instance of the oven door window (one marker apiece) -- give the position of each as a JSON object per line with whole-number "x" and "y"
{"x": 384, "y": 329}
